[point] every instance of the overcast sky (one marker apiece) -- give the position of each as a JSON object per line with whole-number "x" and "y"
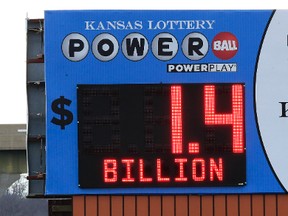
{"x": 13, "y": 106}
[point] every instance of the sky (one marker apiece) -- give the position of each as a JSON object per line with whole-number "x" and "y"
{"x": 13, "y": 16}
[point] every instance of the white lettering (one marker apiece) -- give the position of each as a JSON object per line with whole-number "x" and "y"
{"x": 89, "y": 25}
{"x": 180, "y": 68}
{"x": 180, "y": 24}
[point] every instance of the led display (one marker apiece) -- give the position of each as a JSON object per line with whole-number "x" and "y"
{"x": 161, "y": 135}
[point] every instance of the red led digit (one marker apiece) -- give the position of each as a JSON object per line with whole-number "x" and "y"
{"x": 216, "y": 169}
{"x": 110, "y": 170}
{"x": 141, "y": 172}
{"x": 128, "y": 163}
{"x": 176, "y": 116}
{"x": 200, "y": 162}
{"x": 235, "y": 118}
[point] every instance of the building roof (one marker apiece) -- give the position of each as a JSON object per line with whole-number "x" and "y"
{"x": 12, "y": 136}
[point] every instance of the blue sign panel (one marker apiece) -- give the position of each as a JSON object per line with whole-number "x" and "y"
{"x": 165, "y": 102}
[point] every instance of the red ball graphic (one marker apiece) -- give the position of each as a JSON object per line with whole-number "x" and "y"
{"x": 225, "y": 45}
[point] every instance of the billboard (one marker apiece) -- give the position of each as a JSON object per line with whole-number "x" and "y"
{"x": 165, "y": 102}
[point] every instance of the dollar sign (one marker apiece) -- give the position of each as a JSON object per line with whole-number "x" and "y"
{"x": 66, "y": 117}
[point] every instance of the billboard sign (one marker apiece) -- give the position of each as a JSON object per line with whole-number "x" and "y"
{"x": 165, "y": 102}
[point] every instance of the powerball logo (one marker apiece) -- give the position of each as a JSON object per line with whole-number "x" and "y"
{"x": 224, "y": 46}
{"x": 164, "y": 47}
{"x": 209, "y": 67}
